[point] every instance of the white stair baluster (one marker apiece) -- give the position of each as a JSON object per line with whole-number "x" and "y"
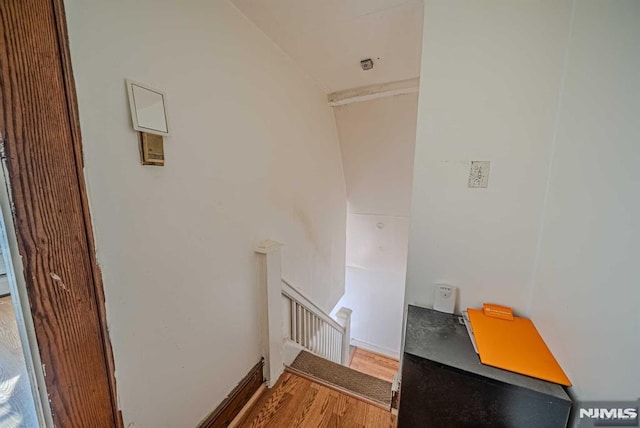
{"x": 294, "y": 324}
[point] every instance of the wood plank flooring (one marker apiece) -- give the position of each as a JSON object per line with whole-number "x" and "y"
{"x": 17, "y": 408}
{"x": 298, "y": 402}
{"x": 375, "y": 365}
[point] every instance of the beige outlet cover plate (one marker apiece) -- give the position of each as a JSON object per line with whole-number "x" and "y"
{"x": 151, "y": 149}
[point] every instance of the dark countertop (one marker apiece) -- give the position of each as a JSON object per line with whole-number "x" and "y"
{"x": 440, "y": 337}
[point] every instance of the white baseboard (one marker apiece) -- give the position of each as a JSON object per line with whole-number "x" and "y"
{"x": 290, "y": 351}
{"x": 375, "y": 348}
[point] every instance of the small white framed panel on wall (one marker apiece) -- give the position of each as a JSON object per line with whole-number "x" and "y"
{"x": 148, "y": 108}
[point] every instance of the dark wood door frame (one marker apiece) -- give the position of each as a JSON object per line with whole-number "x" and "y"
{"x": 40, "y": 131}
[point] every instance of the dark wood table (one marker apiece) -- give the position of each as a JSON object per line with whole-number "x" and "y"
{"x": 444, "y": 384}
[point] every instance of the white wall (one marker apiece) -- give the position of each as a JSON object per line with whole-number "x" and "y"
{"x": 253, "y": 154}
{"x": 489, "y": 85}
{"x": 377, "y": 139}
{"x": 587, "y": 298}
{"x": 547, "y": 91}
{"x": 4, "y": 280}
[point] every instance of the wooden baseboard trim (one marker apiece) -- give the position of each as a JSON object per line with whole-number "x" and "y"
{"x": 231, "y": 406}
{"x": 244, "y": 412}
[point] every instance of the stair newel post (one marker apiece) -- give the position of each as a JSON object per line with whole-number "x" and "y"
{"x": 270, "y": 285}
{"x": 344, "y": 319}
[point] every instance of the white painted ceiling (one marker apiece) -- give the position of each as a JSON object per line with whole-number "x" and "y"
{"x": 328, "y": 38}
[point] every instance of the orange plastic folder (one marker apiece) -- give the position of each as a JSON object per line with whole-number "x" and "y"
{"x": 515, "y": 346}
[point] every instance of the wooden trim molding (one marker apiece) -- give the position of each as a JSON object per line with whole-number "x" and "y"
{"x": 40, "y": 130}
{"x": 74, "y": 120}
{"x": 372, "y": 92}
{"x": 236, "y": 400}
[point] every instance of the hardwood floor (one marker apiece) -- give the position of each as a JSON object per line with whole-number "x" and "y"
{"x": 375, "y": 365}
{"x": 298, "y": 402}
{"x": 17, "y": 408}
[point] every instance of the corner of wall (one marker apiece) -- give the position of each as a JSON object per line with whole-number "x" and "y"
{"x": 554, "y": 140}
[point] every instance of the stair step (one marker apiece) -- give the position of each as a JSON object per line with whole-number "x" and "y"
{"x": 360, "y": 384}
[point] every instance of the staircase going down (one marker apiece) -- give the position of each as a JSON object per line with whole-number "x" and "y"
{"x": 360, "y": 385}
{"x": 304, "y": 339}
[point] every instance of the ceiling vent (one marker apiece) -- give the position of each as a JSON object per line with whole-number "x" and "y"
{"x": 366, "y": 64}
